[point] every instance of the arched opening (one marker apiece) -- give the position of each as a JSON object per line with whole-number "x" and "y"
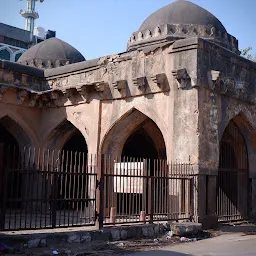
{"x": 17, "y": 56}
{"x": 5, "y": 54}
{"x": 9, "y": 161}
{"x": 140, "y": 145}
{"x": 232, "y": 183}
{"x": 72, "y": 183}
{"x": 136, "y": 145}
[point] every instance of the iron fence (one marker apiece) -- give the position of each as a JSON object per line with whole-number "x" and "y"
{"x": 146, "y": 190}
{"x": 232, "y": 193}
{"x": 49, "y": 188}
{"x": 46, "y": 189}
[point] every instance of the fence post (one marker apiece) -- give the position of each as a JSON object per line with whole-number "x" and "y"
{"x": 151, "y": 194}
{"x": 3, "y": 187}
{"x": 99, "y": 215}
{"x": 54, "y": 197}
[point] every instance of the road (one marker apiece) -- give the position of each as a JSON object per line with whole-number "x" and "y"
{"x": 235, "y": 244}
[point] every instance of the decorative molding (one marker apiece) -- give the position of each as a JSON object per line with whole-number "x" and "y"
{"x": 83, "y": 90}
{"x": 140, "y": 83}
{"x": 121, "y": 86}
{"x": 100, "y": 86}
{"x": 170, "y": 32}
{"x": 69, "y": 92}
{"x": 159, "y": 79}
{"x": 33, "y": 99}
{"x": 223, "y": 84}
{"x": 182, "y": 77}
{"x": 21, "y": 96}
{"x": 213, "y": 78}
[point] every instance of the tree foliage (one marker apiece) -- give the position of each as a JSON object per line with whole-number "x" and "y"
{"x": 247, "y": 54}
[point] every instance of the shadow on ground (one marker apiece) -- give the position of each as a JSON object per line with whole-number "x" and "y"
{"x": 232, "y": 227}
{"x": 159, "y": 253}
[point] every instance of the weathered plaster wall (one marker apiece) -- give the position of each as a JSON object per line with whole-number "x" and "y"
{"x": 226, "y": 94}
{"x": 185, "y": 100}
{"x": 234, "y": 98}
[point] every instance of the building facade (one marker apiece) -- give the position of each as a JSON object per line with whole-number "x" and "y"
{"x": 180, "y": 92}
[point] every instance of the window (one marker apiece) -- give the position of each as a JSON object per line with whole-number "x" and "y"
{"x": 4, "y": 54}
{"x": 17, "y": 56}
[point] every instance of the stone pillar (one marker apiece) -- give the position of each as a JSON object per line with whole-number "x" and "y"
{"x": 206, "y": 196}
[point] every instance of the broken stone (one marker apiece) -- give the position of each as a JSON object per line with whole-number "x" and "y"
{"x": 33, "y": 243}
{"x": 186, "y": 229}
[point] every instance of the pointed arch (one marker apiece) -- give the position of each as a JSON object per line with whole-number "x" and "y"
{"x": 249, "y": 134}
{"x": 60, "y": 134}
{"x": 132, "y": 121}
{"x": 6, "y": 48}
{"x": 236, "y": 154}
{"x": 15, "y": 128}
{"x": 17, "y": 54}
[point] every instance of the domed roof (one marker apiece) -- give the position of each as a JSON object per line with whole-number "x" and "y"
{"x": 182, "y": 12}
{"x": 51, "y": 53}
{"x": 178, "y": 20}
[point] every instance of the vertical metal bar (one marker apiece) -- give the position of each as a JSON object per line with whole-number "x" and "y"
{"x": 151, "y": 193}
{"x": 2, "y": 188}
{"x": 100, "y": 193}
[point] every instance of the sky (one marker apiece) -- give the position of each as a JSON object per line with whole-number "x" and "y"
{"x": 102, "y": 27}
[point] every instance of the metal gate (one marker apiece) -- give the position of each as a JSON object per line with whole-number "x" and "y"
{"x": 232, "y": 182}
{"x": 47, "y": 189}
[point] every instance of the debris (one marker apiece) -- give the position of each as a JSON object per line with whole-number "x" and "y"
{"x": 170, "y": 233}
{"x": 156, "y": 240}
{"x": 55, "y": 252}
{"x": 185, "y": 239}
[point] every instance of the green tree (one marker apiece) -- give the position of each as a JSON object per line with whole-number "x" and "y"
{"x": 247, "y": 54}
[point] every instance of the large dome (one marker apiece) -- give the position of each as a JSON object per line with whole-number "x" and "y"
{"x": 178, "y": 20}
{"x": 51, "y": 53}
{"x": 182, "y": 12}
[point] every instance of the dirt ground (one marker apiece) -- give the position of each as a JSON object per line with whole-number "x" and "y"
{"x": 107, "y": 248}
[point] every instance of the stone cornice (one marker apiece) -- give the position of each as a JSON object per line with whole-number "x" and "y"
{"x": 172, "y": 32}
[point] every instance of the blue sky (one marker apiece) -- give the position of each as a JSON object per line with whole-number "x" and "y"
{"x": 101, "y": 27}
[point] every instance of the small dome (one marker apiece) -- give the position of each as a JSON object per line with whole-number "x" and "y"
{"x": 182, "y": 12}
{"x": 51, "y": 53}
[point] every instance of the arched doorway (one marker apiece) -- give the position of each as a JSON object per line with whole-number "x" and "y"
{"x": 9, "y": 161}
{"x": 232, "y": 182}
{"x": 72, "y": 184}
{"x": 136, "y": 146}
